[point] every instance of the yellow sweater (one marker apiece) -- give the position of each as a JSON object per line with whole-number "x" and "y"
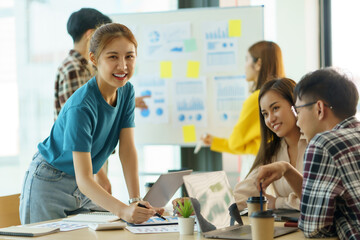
{"x": 245, "y": 138}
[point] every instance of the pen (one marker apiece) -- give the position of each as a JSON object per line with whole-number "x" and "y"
{"x": 261, "y": 197}
{"x": 156, "y": 214}
{"x": 198, "y": 147}
{"x": 199, "y": 144}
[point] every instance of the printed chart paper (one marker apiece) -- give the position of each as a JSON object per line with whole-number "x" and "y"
{"x": 230, "y": 93}
{"x": 189, "y": 102}
{"x": 220, "y": 50}
{"x": 157, "y": 111}
{"x": 64, "y": 226}
{"x": 157, "y": 229}
{"x": 166, "y": 40}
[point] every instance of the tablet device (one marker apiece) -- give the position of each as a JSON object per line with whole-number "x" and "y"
{"x": 165, "y": 187}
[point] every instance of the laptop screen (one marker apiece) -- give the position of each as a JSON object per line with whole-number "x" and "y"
{"x": 165, "y": 187}
{"x": 211, "y": 197}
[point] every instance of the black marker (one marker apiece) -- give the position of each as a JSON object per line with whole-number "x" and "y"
{"x": 156, "y": 214}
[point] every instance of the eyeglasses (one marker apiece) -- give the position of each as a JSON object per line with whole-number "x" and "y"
{"x": 294, "y": 108}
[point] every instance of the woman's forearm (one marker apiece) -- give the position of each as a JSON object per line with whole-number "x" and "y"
{"x": 88, "y": 186}
{"x": 130, "y": 169}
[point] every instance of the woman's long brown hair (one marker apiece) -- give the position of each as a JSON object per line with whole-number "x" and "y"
{"x": 270, "y": 142}
{"x": 272, "y": 65}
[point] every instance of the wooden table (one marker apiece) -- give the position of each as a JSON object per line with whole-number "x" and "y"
{"x": 89, "y": 234}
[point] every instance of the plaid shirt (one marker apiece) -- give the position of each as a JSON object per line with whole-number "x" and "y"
{"x": 72, "y": 74}
{"x": 330, "y": 203}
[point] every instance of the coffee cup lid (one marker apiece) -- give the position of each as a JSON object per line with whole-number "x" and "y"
{"x": 256, "y": 199}
{"x": 263, "y": 214}
{"x": 149, "y": 184}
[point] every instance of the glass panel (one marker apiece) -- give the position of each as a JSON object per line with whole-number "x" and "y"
{"x": 345, "y": 40}
{"x": 7, "y": 3}
{"x": 9, "y": 122}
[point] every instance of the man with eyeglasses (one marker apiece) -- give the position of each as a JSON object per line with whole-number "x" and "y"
{"x": 326, "y": 102}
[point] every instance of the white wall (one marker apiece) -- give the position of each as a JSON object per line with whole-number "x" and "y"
{"x": 297, "y": 33}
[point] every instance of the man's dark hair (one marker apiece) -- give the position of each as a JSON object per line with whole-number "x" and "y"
{"x": 334, "y": 88}
{"x": 84, "y": 19}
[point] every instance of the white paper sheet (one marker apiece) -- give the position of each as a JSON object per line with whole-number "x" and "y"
{"x": 220, "y": 51}
{"x": 64, "y": 226}
{"x": 157, "y": 111}
{"x": 166, "y": 40}
{"x": 189, "y": 102}
{"x": 157, "y": 229}
{"x": 230, "y": 93}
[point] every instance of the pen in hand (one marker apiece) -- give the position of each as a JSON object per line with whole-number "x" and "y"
{"x": 156, "y": 214}
{"x": 200, "y": 143}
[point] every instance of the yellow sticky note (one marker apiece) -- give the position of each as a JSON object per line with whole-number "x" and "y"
{"x": 193, "y": 69}
{"x": 234, "y": 28}
{"x": 166, "y": 69}
{"x": 189, "y": 133}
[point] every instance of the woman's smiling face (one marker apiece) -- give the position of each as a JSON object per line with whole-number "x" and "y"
{"x": 116, "y": 63}
{"x": 277, "y": 114}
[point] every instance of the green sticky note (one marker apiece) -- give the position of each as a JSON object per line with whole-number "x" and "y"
{"x": 190, "y": 45}
{"x": 193, "y": 68}
{"x": 166, "y": 69}
{"x": 234, "y": 28}
{"x": 189, "y": 133}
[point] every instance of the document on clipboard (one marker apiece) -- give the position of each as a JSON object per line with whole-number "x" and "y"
{"x": 156, "y": 221}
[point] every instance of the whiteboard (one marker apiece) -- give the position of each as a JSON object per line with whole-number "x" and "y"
{"x": 196, "y": 24}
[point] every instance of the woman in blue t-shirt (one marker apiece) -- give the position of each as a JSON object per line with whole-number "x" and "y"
{"x": 60, "y": 179}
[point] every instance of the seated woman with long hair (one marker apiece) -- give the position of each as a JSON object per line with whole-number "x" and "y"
{"x": 280, "y": 141}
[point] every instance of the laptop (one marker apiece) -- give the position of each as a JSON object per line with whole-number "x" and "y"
{"x": 165, "y": 187}
{"x": 281, "y": 214}
{"x": 214, "y": 206}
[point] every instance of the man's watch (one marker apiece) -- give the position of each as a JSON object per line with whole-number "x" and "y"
{"x": 137, "y": 199}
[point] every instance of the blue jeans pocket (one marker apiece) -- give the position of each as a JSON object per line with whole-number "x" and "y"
{"x": 48, "y": 173}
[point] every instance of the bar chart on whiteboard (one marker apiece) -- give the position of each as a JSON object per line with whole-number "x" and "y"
{"x": 189, "y": 99}
{"x": 220, "y": 51}
{"x": 230, "y": 93}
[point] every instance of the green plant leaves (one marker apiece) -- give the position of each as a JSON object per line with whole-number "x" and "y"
{"x": 185, "y": 208}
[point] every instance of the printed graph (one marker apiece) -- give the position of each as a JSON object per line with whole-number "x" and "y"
{"x": 220, "y": 58}
{"x": 189, "y": 88}
{"x": 194, "y": 104}
{"x": 217, "y": 33}
{"x": 226, "y": 90}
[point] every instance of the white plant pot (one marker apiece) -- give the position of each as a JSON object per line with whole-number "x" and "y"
{"x": 186, "y": 225}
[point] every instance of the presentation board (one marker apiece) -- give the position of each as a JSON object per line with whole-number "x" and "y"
{"x": 192, "y": 63}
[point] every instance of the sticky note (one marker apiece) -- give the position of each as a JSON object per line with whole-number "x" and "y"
{"x": 189, "y": 133}
{"x": 193, "y": 69}
{"x": 190, "y": 45}
{"x": 166, "y": 69}
{"x": 234, "y": 28}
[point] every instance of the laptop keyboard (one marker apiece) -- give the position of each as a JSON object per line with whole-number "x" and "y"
{"x": 236, "y": 232}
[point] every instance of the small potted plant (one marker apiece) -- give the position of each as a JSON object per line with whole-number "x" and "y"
{"x": 186, "y": 223}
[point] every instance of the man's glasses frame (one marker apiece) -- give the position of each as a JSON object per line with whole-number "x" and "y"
{"x": 294, "y": 108}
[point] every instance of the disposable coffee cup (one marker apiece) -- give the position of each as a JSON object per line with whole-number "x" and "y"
{"x": 148, "y": 185}
{"x": 262, "y": 225}
{"x": 253, "y": 204}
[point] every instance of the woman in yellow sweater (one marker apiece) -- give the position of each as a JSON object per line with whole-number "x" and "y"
{"x": 263, "y": 62}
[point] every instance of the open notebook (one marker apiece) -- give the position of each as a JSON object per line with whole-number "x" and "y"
{"x": 27, "y": 231}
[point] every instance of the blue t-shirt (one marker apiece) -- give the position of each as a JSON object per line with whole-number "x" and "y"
{"x": 87, "y": 123}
